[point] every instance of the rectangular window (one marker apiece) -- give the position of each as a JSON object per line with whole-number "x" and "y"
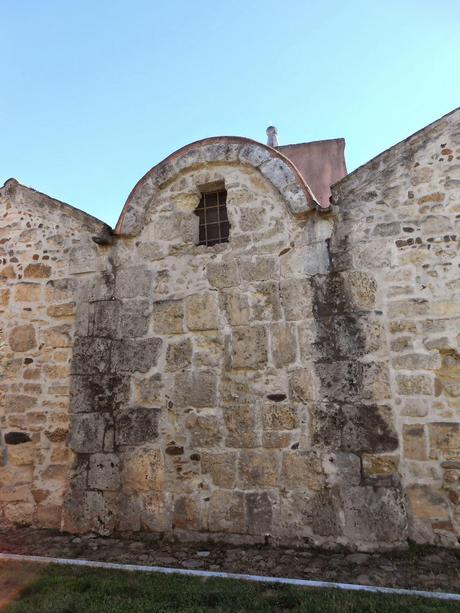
{"x": 214, "y": 226}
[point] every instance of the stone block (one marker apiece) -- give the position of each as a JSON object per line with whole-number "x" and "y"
{"x": 104, "y": 317}
{"x": 188, "y": 514}
{"x": 90, "y": 355}
{"x": 19, "y": 513}
{"x": 249, "y": 347}
{"x": 37, "y": 271}
{"x": 87, "y": 432}
{"x": 58, "y": 336}
{"x": 48, "y": 516}
{"x": 60, "y": 290}
{"x": 104, "y": 472}
{"x": 179, "y": 355}
{"x": 4, "y": 297}
{"x": 279, "y": 417}
{"x": 413, "y": 385}
{"x": 259, "y": 268}
{"x": 103, "y": 393}
{"x": 135, "y": 355}
{"x": 227, "y": 512}
{"x": 414, "y": 442}
{"x": 444, "y": 439}
{"x": 302, "y": 470}
{"x": 99, "y": 512}
{"x": 235, "y": 306}
{"x": 265, "y": 303}
{"x": 258, "y": 468}
{"x": 18, "y": 403}
{"x": 354, "y": 428}
{"x": 27, "y": 292}
{"x": 362, "y": 289}
{"x": 417, "y": 361}
{"x": 427, "y": 502}
{"x": 156, "y": 514}
{"x": 202, "y": 312}
{"x": 168, "y": 316}
{"x": 241, "y": 426}
{"x": 195, "y": 389}
{"x": 148, "y": 391}
{"x": 296, "y": 298}
{"x": 136, "y": 425}
{"x": 283, "y": 344}
{"x": 134, "y": 282}
{"x": 22, "y": 338}
{"x": 61, "y": 310}
{"x": 134, "y": 318}
{"x": 204, "y": 430}
{"x": 223, "y": 274}
{"x": 302, "y": 384}
{"x": 21, "y": 455}
{"x": 375, "y": 466}
{"x": 221, "y": 466}
{"x": 142, "y": 470}
{"x": 259, "y": 512}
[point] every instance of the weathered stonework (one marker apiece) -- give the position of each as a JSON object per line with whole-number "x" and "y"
{"x": 298, "y": 383}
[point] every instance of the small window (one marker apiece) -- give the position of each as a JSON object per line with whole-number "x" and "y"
{"x": 214, "y": 226}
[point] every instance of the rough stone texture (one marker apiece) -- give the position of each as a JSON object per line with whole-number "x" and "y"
{"x": 298, "y": 383}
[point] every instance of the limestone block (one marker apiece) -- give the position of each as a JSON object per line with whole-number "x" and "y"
{"x": 227, "y": 512}
{"x": 22, "y": 338}
{"x": 142, "y": 469}
{"x": 302, "y": 384}
{"x": 249, "y": 347}
{"x": 223, "y": 274}
{"x": 156, "y": 514}
{"x": 278, "y": 172}
{"x": 60, "y": 290}
{"x": 302, "y": 469}
{"x": 254, "y": 155}
{"x": 188, "y": 514}
{"x": 168, "y": 317}
{"x": 87, "y": 431}
{"x": 341, "y": 469}
{"x": 37, "y": 271}
{"x": 98, "y": 392}
{"x": 15, "y": 493}
{"x": 18, "y": 403}
{"x": 427, "y": 502}
{"x": 27, "y": 292}
{"x": 417, "y": 361}
{"x": 258, "y": 468}
{"x": 279, "y": 417}
{"x": 204, "y": 430}
{"x": 48, "y": 516}
{"x": 21, "y": 455}
{"x": 362, "y": 289}
{"x": 354, "y": 428}
{"x": 252, "y": 219}
{"x": 100, "y": 286}
{"x": 379, "y": 465}
{"x": 4, "y": 296}
{"x": 444, "y": 438}
{"x": 273, "y": 439}
{"x": 196, "y": 389}
{"x": 413, "y": 385}
{"x": 296, "y": 298}
{"x": 283, "y": 344}
{"x": 136, "y": 425}
{"x": 99, "y": 512}
{"x": 58, "y": 336}
{"x": 235, "y": 306}
{"x": 179, "y": 355}
{"x": 374, "y": 514}
{"x": 260, "y": 508}
{"x": 148, "y": 391}
{"x": 221, "y": 466}
{"x": 258, "y": 268}
{"x": 104, "y": 317}
{"x": 135, "y": 355}
{"x": 134, "y": 318}
{"x": 265, "y": 301}
{"x": 61, "y": 310}
{"x": 104, "y": 472}
{"x": 241, "y": 425}
{"x": 19, "y": 513}
{"x": 414, "y": 442}
{"x": 134, "y": 282}
{"x": 202, "y": 312}
{"x": 90, "y": 355}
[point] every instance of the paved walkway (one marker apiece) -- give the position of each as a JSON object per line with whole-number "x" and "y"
{"x": 425, "y": 568}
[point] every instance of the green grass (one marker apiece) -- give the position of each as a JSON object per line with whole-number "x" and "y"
{"x": 84, "y": 590}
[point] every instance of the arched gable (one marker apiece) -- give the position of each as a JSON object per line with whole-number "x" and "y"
{"x": 273, "y": 165}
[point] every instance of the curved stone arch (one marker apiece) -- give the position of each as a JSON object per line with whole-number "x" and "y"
{"x": 274, "y": 166}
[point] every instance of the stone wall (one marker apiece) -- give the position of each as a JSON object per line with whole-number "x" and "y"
{"x": 42, "y": 244}
{"x": 298, "y": 384}
{"x": 399, "y": 220}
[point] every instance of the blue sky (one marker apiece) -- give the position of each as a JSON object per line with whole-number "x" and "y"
{"x": 96, "y": 93}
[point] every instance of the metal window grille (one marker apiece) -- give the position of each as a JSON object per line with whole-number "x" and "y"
{"x": 214, "y": 226}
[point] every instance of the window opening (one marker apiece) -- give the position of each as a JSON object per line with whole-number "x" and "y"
{"x": 214, "y": 226}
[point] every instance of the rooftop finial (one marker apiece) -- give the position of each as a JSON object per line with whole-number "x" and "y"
{"x": 272, "y": 136}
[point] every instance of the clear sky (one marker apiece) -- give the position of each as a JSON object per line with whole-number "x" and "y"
{"x": 94, "y": 93}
